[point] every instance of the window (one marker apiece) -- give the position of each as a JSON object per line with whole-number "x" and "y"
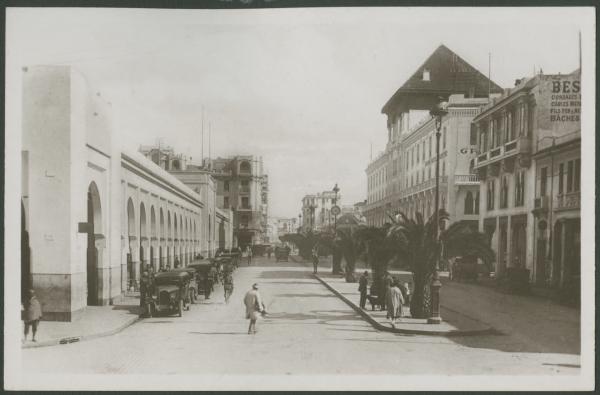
{"x": 522, "y": 120}
{"x": 570, "y": 169}
{"x": 429, "y": 171}
{"x": 417, "y": 177}
{"x": 226, "y": 202}
{"x": 577, "y": 180}
{"x": 426, "y": 75}
{"x": 245, "y": 202}
{"x": 244, "y": 220}
{"x": 492, "y": 135}
{"x": 476, "y": 203}
{"x": 509, "y": 127}
{"x": 245, "y": 186}
{"x": 520, "y": 188}
{"x": 561, "y": 172}
{"x": 543, "y": 180}
{"x": 411, "y": 180}
{"x": 473, "y": 135}
{"x": 245, "y": 167}
{"x": 418, "y": 152}
{"x": 423, "y": 149}
{"x": 504, "y": 193}
{"x": 482, "y": 142}
{"x": 430, "y": 146}
{"x": 444, "y": 138}
{"x": 423, "y": 175}
{"x": 490, "y": 194}
{"x": 226, "y": 185}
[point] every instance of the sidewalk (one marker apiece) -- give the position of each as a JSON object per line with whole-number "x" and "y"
{"x": 453, "y": 324}
{"x": 95, "y": 321}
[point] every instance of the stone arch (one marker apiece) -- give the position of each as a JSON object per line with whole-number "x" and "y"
{"x": 143, "y": 238}
{"x": 95, "y": 244}
{"x": 153, "y": 238}
{"x": 26, "y": 280}
{"x": 244, "y": 166}
{"x": 131, "y": 236}
{"x": 162, "y": 237}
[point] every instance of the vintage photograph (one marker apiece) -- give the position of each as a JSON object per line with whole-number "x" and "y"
{"x": 330, "y": 198}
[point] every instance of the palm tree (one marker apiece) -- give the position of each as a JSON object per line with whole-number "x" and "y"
{"x": 377, "y": 248}
{"x": 415, "y": 241}
{"x": 303, "y": 241}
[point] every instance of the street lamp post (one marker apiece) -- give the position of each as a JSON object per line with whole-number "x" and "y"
{"x": 336, "y": 190}
{"x": 438, "y": 113}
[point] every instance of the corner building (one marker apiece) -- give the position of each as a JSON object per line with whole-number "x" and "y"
{"x": 529, "y": 164}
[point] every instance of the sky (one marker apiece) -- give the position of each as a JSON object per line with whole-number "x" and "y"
{"x": 303, "y": 88}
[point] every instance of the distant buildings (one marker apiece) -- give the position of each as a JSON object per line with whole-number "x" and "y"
{"x": 237, "y": 184}
{"x": 316, "y": 210}
{"x": 402, "y": 178}
{"x": 243, "y": 187}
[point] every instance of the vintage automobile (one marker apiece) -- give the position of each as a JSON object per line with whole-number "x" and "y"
{"x": 282, "y": 254}
{"x": 233, "y": 256}
{"x": 193, "y": 285}
{"x": 468, "y": 268}
{"x": 171, "y": 292}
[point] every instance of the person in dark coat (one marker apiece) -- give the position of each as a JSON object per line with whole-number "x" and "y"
{"x": 209, "y": 282}
{"x": 363, "y": 285}
{"x": 315, "y": 259}
{"x": 144, "y": 292}
{"x": 32, "y": 315}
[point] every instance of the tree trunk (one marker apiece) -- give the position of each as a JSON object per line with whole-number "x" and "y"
{"x": 420, "y": 304}
{"x": 336, "y": 267}
{"x": 350, "y": 267}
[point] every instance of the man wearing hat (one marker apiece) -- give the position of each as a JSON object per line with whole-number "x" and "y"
{"x": 32, "y": 314}
{"x": 254, "y": 307}
{"x": 144, "y": 292}
{"x": 363, "y": 284}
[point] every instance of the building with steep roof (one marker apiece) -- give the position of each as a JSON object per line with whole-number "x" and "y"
{"x": 402, "y": 176}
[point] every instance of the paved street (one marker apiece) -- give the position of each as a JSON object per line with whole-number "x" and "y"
{"x": 308, "y": 331}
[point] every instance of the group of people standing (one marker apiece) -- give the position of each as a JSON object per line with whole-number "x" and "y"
{"x": 393, "y": 296}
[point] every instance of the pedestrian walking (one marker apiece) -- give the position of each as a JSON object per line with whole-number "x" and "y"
{"x": 228, "y": 285}
{"x": 209, "y": 282}
{"x": 315, "y": 259}
{"x": 254, "y": 307}
{"x": 394, "y": 302}
{"x": 32, "y": 313}
{"x": 144, "y": 293}
{"x": 249, "y": 255}
{"x": 213, "y": 273}
{"x": 387, "y": 281}
{"x": 363, "y": 285}
{"x": 407, "y": 293}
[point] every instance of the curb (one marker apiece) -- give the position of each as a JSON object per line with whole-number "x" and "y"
{"x": 377, "y": 325}
{"x": 75, "y": 339}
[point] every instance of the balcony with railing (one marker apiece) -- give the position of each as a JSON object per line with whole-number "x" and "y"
{"x": 519, "y": 146}
{"x": 423, "y": 186}
{"x": 466, "y": 179}
{"x": 568, "y": 201}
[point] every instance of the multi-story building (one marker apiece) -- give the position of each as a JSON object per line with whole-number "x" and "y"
{"x": 242, "y": 186}
{"x": 316, "y": 210}
{"x": 403, "y": 176}
{"x": 529, "y": 163}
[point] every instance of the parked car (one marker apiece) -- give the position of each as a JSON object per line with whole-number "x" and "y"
{"x": 192, "y": 294}
{"x": 468, "y": 268}
{"x": 171, "y": 292}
